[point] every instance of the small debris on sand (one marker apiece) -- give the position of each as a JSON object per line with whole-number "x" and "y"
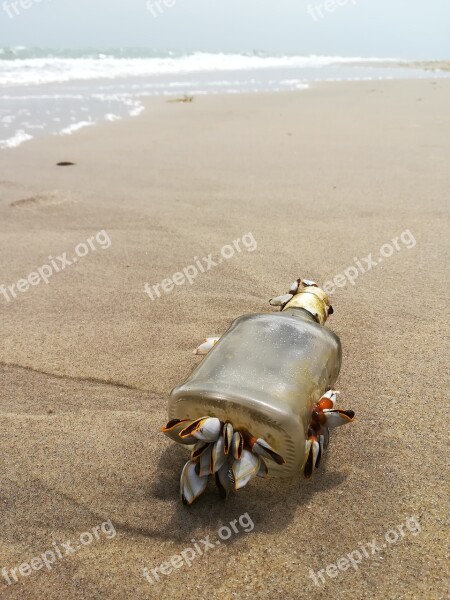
{"x": 185, "y": 98}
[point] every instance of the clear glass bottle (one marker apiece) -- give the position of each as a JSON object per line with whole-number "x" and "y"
{"x": 265, "y": 374}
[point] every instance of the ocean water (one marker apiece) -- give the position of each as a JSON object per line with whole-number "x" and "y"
{"x": 58, "y": 92}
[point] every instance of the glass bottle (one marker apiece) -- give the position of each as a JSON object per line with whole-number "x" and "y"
{"x": 265, "y": 374}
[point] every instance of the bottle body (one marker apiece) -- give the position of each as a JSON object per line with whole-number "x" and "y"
{"x": 265, "y": 374}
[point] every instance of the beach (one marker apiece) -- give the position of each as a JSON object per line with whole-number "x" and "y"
{"x": 310, "y": 183}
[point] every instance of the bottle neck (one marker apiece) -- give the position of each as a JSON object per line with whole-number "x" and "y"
{"x": 300, "y": 313}
{"x": 314, "y": 300}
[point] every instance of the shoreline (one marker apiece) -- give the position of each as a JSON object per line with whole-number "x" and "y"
{"x": 61, "y": 111}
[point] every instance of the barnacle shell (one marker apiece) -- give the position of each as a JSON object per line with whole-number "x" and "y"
{"x": 227, "y": 437}
{"x": 309, "y": 282}
{"x": 280, "y": 300}
{"x": 205, "y": 462}
{"x": 237, "y": 445}
{"x": 337, "y": 417}
{"x": 206, "y": 429}
{"x": 294, "y": 286}
{"x": 262, "y": 448}
{"x": 217, "y": 455}
{"x": 199, "y": 449}
{"x": 245, "y": 468}
{"x": 326, "y": 437}
{"x": 225, "y": 479}
{"x": 263, "y": 470}
{"x": 312, "y": 448}
{"x": 328, "y": 400}
{"x": 191, "y": 484}
{"x": 173, "y": 429}
{"x": 207, "y": 345}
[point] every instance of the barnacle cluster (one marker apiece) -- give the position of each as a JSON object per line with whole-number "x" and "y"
{"x": 232, "y": 456}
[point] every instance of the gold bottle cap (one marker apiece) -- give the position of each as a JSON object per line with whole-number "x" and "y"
{"x": 314, "y": 300}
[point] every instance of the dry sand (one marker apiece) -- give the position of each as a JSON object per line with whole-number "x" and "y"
{"x": 318, "y": 177}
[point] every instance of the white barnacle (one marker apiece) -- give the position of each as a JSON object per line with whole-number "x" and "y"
{"x": 206, "y": 429}
{"x": 245, "y": 468}
{"x": 280, "y": 300}
{"x": 191, "y": 484}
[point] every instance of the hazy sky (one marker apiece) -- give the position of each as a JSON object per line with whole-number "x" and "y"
{"x": 389, "y": 28}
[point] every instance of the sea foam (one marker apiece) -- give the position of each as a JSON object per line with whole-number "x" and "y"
{"x": 45, "y": 70}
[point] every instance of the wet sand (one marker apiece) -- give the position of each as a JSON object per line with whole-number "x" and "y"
{"x": 318, "y": 178}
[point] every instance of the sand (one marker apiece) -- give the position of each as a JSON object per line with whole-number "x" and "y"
{"x": 318, "y": 178}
